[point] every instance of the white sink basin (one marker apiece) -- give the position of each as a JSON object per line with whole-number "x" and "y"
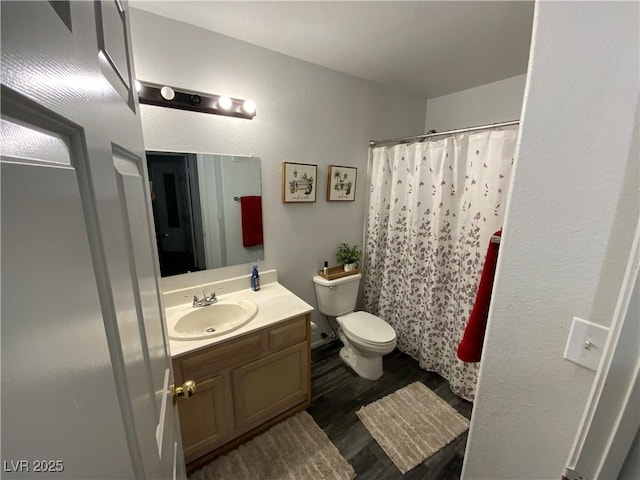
{"x": 213, "y": 320}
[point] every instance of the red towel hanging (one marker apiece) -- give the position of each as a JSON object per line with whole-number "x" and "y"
{"x": 251, "y": 213}
{"x": 470, "y": 348}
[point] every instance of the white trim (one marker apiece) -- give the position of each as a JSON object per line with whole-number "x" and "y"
{"x": 166, "y": 392}
{"x": 624, "y": 432}
{"x": 175, "y": 460}
{"x": 611, "y": 419}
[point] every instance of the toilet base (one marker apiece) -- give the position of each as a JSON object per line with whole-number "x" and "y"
{"x": 367, "y": 368}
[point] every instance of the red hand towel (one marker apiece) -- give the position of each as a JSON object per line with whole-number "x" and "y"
{"x": 470, "y": 348}
{"x": 251, "y": 213}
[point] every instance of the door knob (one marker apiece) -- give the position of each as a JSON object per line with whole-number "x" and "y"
{"x": 187, "y": 390}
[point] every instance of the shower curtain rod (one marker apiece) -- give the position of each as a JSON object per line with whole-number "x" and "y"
{"x": 395, "y": 141}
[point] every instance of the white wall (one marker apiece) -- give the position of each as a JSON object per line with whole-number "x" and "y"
{"x": 491, "y": 103}
{"x": 222, "y": 178}
{"x": 572, "y": 212}
{"x": 239, "y": 177}
{"x": 305, "y": 113}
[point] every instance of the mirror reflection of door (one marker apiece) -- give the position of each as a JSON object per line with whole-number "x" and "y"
{"x": 174, "y": 187}
{"x": 197, "y": 207}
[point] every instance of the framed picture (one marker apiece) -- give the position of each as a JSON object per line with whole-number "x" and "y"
{"x": 341, "y": 184}
{"x": 299, "y": 182}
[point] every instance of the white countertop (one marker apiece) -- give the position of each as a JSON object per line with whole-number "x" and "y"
{"x": 275, "y": 304}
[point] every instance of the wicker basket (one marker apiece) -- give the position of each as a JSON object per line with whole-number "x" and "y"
{"x": 336, "y": 272}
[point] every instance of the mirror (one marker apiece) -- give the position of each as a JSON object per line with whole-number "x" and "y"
{"x": 207, "y": 210}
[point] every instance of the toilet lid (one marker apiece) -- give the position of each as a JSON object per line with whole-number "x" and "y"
{"x": 368, "y": 327}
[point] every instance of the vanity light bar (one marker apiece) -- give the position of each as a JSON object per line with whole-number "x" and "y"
{"x": 165, "y": 96}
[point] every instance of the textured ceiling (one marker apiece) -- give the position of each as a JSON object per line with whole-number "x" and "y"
{"x": 426, "y": 48}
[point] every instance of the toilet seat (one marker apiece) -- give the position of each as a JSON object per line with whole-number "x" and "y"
{"x": 367, "y": 329}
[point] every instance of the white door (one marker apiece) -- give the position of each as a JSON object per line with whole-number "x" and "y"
{"x": 85, "y": 363}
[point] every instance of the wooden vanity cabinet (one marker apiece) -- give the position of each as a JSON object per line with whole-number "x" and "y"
{"x": 244, "y": 386}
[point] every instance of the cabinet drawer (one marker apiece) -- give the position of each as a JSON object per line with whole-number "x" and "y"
{"x": 289, "y": 334}
{"x": 199, "y": 366}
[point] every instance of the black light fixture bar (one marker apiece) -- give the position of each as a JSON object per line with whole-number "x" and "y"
{"x": 150, "y": 94}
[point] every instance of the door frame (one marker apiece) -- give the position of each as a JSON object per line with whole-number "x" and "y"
{"x": 611, "y": 419}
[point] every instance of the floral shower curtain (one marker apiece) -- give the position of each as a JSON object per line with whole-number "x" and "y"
{"x": 433, "y": 207}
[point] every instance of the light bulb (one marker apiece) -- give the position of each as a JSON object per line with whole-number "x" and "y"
{"x": 249, "y": 106}
{"x": 167, "y": 93}
{"x": 225, "y": 103}
{"x": 138, "y": 86}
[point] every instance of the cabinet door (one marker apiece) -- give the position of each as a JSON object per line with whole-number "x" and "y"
{"x": 269, "y": 386}
{"x": 206, "y": 418}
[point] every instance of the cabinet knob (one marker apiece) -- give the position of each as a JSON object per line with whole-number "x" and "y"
{"x": 187, "y": 390}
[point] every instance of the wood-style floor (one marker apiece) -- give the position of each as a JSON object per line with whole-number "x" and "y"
{"x": 338, "y": 393}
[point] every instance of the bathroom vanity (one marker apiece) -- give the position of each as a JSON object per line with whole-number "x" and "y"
{"x": 248, "y": 379}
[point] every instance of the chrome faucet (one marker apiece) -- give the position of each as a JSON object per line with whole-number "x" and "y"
{"x": 204, "y": 301}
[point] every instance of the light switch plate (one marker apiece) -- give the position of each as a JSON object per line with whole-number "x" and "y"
{"x": 586, "y": 343}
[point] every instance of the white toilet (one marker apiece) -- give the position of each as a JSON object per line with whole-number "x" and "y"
{"x": 366, "y": 338}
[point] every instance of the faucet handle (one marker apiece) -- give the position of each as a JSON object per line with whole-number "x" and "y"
{"x": 211, "y": 297}
{"x": 193, "y": 297}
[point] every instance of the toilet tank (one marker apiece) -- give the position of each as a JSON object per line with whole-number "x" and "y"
{"x": 337, "y": 297}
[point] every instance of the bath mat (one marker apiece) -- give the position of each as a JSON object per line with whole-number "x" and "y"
{"x": 412, "y": 424}
{"x": 294, "y": 449}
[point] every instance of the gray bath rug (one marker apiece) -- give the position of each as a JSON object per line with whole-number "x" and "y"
{"x": 294, "y": 449}
{"x": 412, "y": 424}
